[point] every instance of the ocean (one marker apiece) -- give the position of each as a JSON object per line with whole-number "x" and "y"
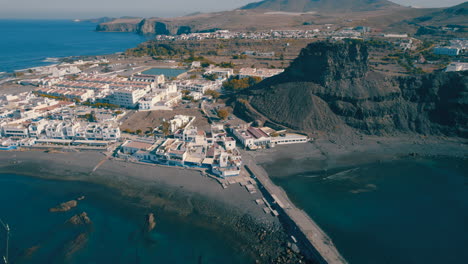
{"x": 115, "y": 236}
{"x": 31, "y": 43}
{"x": 405, "y": 211}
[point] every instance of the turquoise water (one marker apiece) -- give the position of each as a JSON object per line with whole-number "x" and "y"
{"x": 115, "y": 236}
{"x": 408, "y": 211}
{"x": 167, "y": 72}
{"x": 28, "y": 43}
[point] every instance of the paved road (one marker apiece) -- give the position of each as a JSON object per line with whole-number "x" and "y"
{"x": 319, "y": 240}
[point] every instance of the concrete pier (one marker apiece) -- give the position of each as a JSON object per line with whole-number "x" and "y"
{"x": 312, "y": 241}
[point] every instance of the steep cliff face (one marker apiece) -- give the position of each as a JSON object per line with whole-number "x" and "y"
{"x": 329, "y": 86}
{"x": 117, "y": 27}
{"x": 147, "y": 26}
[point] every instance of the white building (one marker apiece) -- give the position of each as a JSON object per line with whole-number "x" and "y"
{"x": 200, "y": 86}
{"x": 162, "y": 98}
{"x": 127, "y": 97}
{"x": 15, "y": 130}
{"x": 107, "y": 131}
{"x": 457, "y": 66}
{"x": 261, "y": 73}
{"x": 180, "y": 121}
{"x": 222, "y": 72}
{"x": 254, "y": 137}
{"x": 36, "y": 128}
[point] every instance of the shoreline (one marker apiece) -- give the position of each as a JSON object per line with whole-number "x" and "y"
{"x": 177, "y": 191}
{"x": 186, "y": 192}
{"x": 323, "y": 154}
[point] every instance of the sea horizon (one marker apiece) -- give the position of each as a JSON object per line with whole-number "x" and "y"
{"x": 56, "y": 39}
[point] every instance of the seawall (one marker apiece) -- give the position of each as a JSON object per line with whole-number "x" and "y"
{"x": 312, "y": 240}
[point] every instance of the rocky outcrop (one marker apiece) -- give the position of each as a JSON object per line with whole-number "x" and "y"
{"x": 145, "y": 27}
{"x": 64, "y": 207}
{"x": 118, "y": 27}
{"x": 329, "y": 87}
{"x": 80, "y": 219}
{"x": 150, "y": 222}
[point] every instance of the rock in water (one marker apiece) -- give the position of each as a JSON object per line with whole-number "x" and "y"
{"x": 150, "y": 222}
{"x": 80, "y": 219}
{"x": 76, "y": 244}
{"x": 64, "y": 207}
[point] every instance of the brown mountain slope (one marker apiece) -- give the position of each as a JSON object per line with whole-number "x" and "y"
{"x": 321, "y": 5}
{"x": 456, "y": 15}
{"x": 330, "y": 88}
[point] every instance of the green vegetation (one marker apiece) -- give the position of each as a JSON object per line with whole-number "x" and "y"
{"x": 378, "y": 43}
{"x": 165, "y": 128}
{"x": 128, "y": 131}
{"x": 223, "y": 113}
{"x": 19, "y": 74}
{"x": 239, "y": 57}
{"x": 91, "y": 117}
{"x": 226, "y": 65}
{"x": 61, "y": 98}
{"x": 201, "y": 59}
{"x": 211, "y": 77}
{"x": 212, "y": 93}
{"x": 155, "y": 49}
{"x": 236, "y": 84}
{"x": 101, "y": 105}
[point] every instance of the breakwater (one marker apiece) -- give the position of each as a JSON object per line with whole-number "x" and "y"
{"x": 312, "y": 241}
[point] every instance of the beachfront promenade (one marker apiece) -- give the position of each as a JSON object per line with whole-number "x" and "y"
{"x": 313, "y": 241}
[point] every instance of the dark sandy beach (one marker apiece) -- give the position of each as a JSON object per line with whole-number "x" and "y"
{"x": 183, "y": 192}
{"x": 333, "y": 153}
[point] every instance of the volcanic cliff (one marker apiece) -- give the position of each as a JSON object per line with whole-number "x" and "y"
{"x": 330, "y": 87}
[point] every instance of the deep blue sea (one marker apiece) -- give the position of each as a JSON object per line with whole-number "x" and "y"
{"x": 406, "y": 211}
{"x": 115, "y": 236}
{"x": 29, "y": 43}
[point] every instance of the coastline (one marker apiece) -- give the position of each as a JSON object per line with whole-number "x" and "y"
{"x": 185, "y": 193}
{"x": 286, "y": 164}
{"x": 325, "y": 154}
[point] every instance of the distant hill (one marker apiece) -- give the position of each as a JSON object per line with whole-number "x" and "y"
{"x": 456, "y": 15}
{"x": 436, "y": 23}
{"x": 256, "y": 17}
{"x": 320, "y": 5}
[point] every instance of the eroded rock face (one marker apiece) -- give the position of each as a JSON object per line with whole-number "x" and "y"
{"x": 147, "y": 26}
{"x": 150, "y": 222}
{"x": 117, "y": 27}
{"x": 80, "y": 219}
{"x": 329, "y": 87}
{"x": 64, "y": 207}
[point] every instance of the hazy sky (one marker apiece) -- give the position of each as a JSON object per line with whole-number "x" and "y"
{"x": 144, "y": 8}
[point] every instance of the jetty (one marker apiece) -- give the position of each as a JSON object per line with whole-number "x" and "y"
{"x": 313, "y": 242}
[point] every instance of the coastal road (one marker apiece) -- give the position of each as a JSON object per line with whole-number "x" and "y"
{"x": 313, "y": 233}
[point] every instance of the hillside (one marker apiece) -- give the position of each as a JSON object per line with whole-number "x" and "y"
{"x": 439, "y": 22}
{"x": 299, "y": 15}
{"x": 456, "y": 15}
{"x": 330, "y": 88}
{"x": 320, "y": 5}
